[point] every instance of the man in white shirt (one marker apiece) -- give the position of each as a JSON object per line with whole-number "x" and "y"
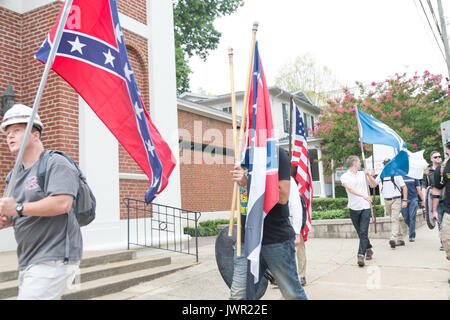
{"x": 390, "y": 189}
{"x": 355, "y": 182}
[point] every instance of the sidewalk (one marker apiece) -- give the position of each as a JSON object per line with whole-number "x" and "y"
{"x": 417, "y": 271}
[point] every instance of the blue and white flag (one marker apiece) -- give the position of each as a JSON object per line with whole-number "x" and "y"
{"x": 373, "y": 131}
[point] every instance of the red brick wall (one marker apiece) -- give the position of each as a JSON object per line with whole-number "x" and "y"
{"x": 136, "y": 9}
{"x": 205, "y": 187}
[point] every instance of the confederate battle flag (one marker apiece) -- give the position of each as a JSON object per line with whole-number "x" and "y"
{"x": 93, "y": 59}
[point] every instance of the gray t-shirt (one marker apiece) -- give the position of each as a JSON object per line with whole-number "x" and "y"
{"x": 44, "y": 238}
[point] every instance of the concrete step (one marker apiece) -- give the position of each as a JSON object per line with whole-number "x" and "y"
{"x": 90, "y": 258}
{"x": 95, "y": 268}
{"x": 110, "y": 285}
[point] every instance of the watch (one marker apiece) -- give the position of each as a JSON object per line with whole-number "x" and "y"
{"x": 19, "y": 209}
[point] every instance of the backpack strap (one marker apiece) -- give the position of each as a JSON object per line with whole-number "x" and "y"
{"x": 42, "y": 168}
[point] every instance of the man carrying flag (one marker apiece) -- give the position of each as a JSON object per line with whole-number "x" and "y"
{"x": 268, "y": 235}
{"x": 93, "y": 59}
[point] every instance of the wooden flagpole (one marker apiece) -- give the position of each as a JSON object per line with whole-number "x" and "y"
{"x": 233, "y": 112}
{"x": 242, "y": 128}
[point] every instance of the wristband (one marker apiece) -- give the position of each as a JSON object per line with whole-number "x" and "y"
{"x": 405, "y": 200}
{"x": 434, "y": 196}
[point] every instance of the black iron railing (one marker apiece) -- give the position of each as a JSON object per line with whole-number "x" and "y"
{"x": 162, "y": 227}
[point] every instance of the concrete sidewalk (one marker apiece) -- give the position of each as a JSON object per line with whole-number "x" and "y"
{"x": 416, "y": 271}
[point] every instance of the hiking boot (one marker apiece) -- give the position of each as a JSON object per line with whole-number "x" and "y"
{"x": 369, "y": 254}
{"x": 360, "y": 260}
{"x": 392, "y": 243}
{"x": 400, "y": 243}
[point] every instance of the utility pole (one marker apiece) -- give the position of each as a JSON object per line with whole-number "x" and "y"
{"x": 444, "y": 36}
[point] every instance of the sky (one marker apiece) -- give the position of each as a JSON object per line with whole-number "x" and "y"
{"x": 359, "y": 40}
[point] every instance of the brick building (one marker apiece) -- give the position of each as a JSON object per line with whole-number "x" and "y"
{"x": 71, "y": 126}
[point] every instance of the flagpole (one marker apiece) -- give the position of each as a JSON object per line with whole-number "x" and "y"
{"x": 233, "y": 112}
{"x": 242, "y": 128}
{"x": 364, "y": 163}
{"x": 48, "y": 65}
{"x": 290, "y": 126}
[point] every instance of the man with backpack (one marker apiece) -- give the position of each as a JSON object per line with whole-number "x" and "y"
{"x": 49, "y": 242}
{"x": 391, "y": 190}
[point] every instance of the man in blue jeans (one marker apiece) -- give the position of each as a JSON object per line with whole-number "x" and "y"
{"x": 355, "y": 183}
{"x": 278, "y": 249}
{"x": 409, "y": 213}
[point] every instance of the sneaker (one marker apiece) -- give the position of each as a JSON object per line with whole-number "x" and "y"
{"x": 369, "y": 254}
{"x": 392, "y": 243}
{"x": 400, "y": 243}
{"x": 412, "y": 239}
{"x": 441, "y": 248}
{"x": 360, "y": 260}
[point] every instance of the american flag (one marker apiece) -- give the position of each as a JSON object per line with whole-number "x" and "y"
{"x": 300, "y": 158}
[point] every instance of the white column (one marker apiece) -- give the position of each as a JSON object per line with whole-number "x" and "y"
{"x": 162, "y": 79}
{"x": 323, "y": 193}
{"x": 99, "y": 161}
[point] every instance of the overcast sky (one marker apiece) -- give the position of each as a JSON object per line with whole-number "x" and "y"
{"x": 359, "y": 40}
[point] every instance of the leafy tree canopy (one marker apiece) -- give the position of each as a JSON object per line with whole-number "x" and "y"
{"x": 413, "y": 107}
{"x": 195, "y": 33}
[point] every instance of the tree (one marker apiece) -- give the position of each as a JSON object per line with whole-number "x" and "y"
{"x": 195, "y": 33}
{"x": 304, "y": 73}
{"x": 413, "y": 107}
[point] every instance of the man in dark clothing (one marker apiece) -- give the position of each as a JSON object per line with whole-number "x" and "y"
{"x": 278, "y": 249}
{"x": 428, "y": 181}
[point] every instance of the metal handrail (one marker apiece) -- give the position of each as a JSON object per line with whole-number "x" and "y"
{"x": 164, "y": 223}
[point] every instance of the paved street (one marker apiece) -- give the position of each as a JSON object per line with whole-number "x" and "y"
{"x": 417, "y": 271}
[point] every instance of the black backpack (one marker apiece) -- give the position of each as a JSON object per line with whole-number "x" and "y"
{"x": 85, "y": 202}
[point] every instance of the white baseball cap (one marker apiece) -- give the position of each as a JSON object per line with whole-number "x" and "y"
{"x": 19, "y": 113}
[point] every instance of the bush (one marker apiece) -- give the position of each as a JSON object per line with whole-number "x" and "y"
{"x": 207, "y": 228}
{"x": 341, "y": 213}
{"x": 321, "y": 204}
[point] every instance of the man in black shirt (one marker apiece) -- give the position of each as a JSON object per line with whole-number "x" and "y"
{"x": 428, "y": 181}
{"x": 278, "y": 249}
{"x": 441, "y": 181}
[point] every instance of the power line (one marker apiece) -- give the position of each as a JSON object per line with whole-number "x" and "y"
{"x": 432, "y": 30}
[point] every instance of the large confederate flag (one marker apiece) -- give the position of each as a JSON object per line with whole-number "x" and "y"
{"x": 93, "y": 59}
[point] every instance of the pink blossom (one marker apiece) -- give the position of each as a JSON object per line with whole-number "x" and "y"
{"x": 441, "y": 113}
{"x": 396, "y": 101}
{"x": 373, "y": 84}
{"x": 414, "y": 146}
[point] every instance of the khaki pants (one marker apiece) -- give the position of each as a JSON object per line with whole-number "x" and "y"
{"x": 301, "y": 258}
{"x": 398, "y": 225}
{"x": 445, "y": 233}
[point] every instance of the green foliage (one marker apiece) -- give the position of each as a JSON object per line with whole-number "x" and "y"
{"x": 340, "y": 192}
{"x": 195, "y": 33}
{"x": 207, "y": 228}
{"x": 341, "y": 213}
{"x": 413, "y": 107}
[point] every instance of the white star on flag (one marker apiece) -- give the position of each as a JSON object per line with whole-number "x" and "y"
{"x": 138, "y": 110}
{"x": 109, "y": 58}
{"x": 155, "y": 183}
{"x": 118, "y": 33}
{"x": 150, "y": 147}
{"x": 128, "y": 72}
{"x": 76, "y": 45}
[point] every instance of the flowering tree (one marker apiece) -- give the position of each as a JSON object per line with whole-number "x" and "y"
{"x": 413, "y": 107}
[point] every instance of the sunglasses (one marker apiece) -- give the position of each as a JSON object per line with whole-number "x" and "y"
{"x": 435, "y": 157}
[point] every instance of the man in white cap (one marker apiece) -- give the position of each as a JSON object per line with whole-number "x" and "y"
{"x": 49, "y": 243}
